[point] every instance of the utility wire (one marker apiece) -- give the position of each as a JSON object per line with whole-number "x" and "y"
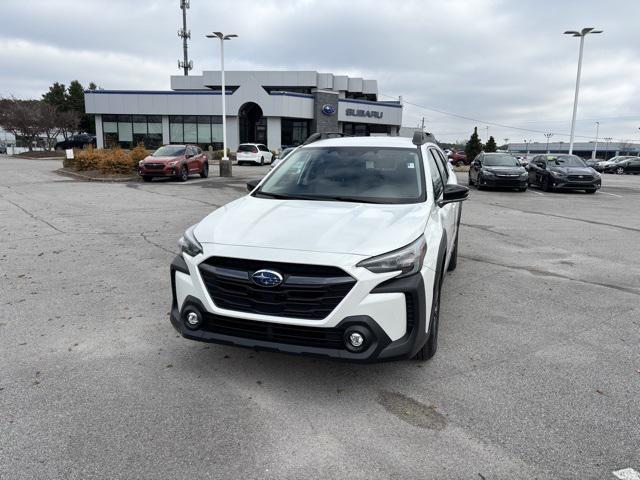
{"x": 495, "y": 124}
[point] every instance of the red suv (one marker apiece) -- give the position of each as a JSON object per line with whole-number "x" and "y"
{"x": 177, "y": 161}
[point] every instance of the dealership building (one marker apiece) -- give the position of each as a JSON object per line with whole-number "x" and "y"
{"x": 278, "y": 109}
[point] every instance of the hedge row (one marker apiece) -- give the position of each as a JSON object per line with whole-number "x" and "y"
{"x": 109, "y": 161}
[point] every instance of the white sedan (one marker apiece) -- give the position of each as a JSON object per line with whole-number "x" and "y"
{"x": 253, "y": 153}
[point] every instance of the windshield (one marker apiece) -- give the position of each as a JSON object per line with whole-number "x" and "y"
{"x": 566, "y": 161}
{"x": 500, "y": 161}
{"x": 169, "y": 151}
{"x": 350, "y": 174}
{"x": 248, "y": 148}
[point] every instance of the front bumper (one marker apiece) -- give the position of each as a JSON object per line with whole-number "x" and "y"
{"x": 312, "y": 338}
{"x": 504, "y": 182}
{"x": 564, "y": 183}
{"x": 165, "y": 172}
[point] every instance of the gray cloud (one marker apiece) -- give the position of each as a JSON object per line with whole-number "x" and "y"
{"x": 504, "y": 62}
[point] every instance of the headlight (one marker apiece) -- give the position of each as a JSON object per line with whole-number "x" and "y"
{"x": 406, "y": 260}
{"x": 555, "y": 174}
{"x": 488, "y": 173}
{"x": 172, "y": 164}
{"x": 189, "y": 244}
{"x": 524, "y": 175}
{"x": 141, "y": 163}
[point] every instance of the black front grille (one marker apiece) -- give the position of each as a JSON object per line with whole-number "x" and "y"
{"x": 154, "y": 166}
{"x": 274, "y": 332}
{"x": 307, "y": 291}
{"x": 580, "y": 178}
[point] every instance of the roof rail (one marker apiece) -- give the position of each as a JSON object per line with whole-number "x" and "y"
{"x": 314, "y": 137}
{"x": 420, "y": 137}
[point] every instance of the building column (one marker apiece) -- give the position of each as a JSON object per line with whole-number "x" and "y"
{"x": 233, "y": 133}
{"x": 99, "y": 132}
{"x": 166, "y": 138}
{"x": 274, "y": 133}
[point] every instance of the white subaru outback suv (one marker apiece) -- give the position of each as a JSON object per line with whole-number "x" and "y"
{"x": 340, "y": 251}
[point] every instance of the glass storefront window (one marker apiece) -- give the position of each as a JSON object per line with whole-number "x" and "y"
{"x": 294, "y": 132}
{"x": 127, "y": 131}
{"x": 190, "y": 129}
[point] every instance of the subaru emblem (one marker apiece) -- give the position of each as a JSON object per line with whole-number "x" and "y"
{"x": 328, "y": 109}
{"x": 266, "y": 278}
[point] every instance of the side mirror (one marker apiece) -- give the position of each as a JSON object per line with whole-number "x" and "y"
{"x": 453, "y": 193}
{"x": 252, "y": 184}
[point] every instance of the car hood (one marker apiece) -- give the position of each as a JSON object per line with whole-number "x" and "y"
{"x": 505, "y": 170}
{"x": 318, "y": 226}
{"x": 572, "y": 170}
{"x": 151, "y": 159}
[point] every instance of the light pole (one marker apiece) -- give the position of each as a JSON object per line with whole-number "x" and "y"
{"x": 583, "y": 33}
{"x": 606, "y": 155}
{"x": 527, "y": 142}
{"x": 548, "y": 136}
{"x": 506, "y": 141}
{"x": 595, "y": 147}
{"x": 225, "y": 164}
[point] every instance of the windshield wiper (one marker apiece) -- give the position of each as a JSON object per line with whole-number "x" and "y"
{"x": 327, "y": 198}
{"x": 281, "y": 196}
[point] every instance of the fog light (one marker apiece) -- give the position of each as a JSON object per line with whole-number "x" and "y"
{"x": 356, "y": 340}
{"x": 192, "y": 319}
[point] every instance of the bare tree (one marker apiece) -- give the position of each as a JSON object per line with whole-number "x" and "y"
{"x": 22, "y": 118}
{"x": 68, "y": 122}
{"x": 49, "y": 123}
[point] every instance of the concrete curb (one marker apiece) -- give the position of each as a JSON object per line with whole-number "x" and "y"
{"x": 68, "y": 173}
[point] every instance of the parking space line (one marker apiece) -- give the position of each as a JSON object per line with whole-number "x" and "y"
{"x": 627, "y": 474}
{"x": 537, "y": 193}
{"x": 612, "y": 194}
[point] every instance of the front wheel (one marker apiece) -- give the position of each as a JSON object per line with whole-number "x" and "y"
{"x": 184, "y": 174}
{"x": 478, "y": 183}
{"x": 522, "y": 189}
{"x": 261, "y": 161}
{"x": 146, "y": 178}
{"x": 205, "y": 170}
{"x": 428, "y": 350}
{"x": 546, "y": 186}
{"x": 620, "y": 171}
{"x": 470, "y": 181}
{"x": 591, "y": 190}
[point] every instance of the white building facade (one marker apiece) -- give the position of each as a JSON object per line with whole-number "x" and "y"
{"x": 279, "y": 109}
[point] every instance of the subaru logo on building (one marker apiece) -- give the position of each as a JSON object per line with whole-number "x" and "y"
{"x": 266, "y": 278}
{"x": 328, "y": 109}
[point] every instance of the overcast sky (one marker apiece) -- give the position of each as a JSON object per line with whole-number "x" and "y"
{"x": 500, "y": 61}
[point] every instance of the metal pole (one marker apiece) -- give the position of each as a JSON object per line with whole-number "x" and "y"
{"x": 595, "y": 148}
{"x": 575, "y": 98}
{"x": 184, "y": 39}
{"x": 224, "y": 103}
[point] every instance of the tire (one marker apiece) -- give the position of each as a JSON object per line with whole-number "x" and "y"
{"x": 523, "y": 189}
{"x": 147, "y": 178}
{"x": 261, "y": 161}
{"x": 477, "y": 183}
{"x": 205, "y": 170}
{"x": 184, "y": 174}
{"x": 470, "y": 181}
{"x": 430, "y": 347}
{"x": 545, "y": 185}
{"x": 620, "y": 171}
{"x": 591, "y": 190}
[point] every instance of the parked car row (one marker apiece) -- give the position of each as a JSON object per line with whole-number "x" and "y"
{"x": 619, "y": 165}
{"x": 81, "y": 140}
{"x": 548, "y": 171}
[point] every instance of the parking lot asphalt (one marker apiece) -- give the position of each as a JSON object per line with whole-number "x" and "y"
{"x": 537, "y": 374}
